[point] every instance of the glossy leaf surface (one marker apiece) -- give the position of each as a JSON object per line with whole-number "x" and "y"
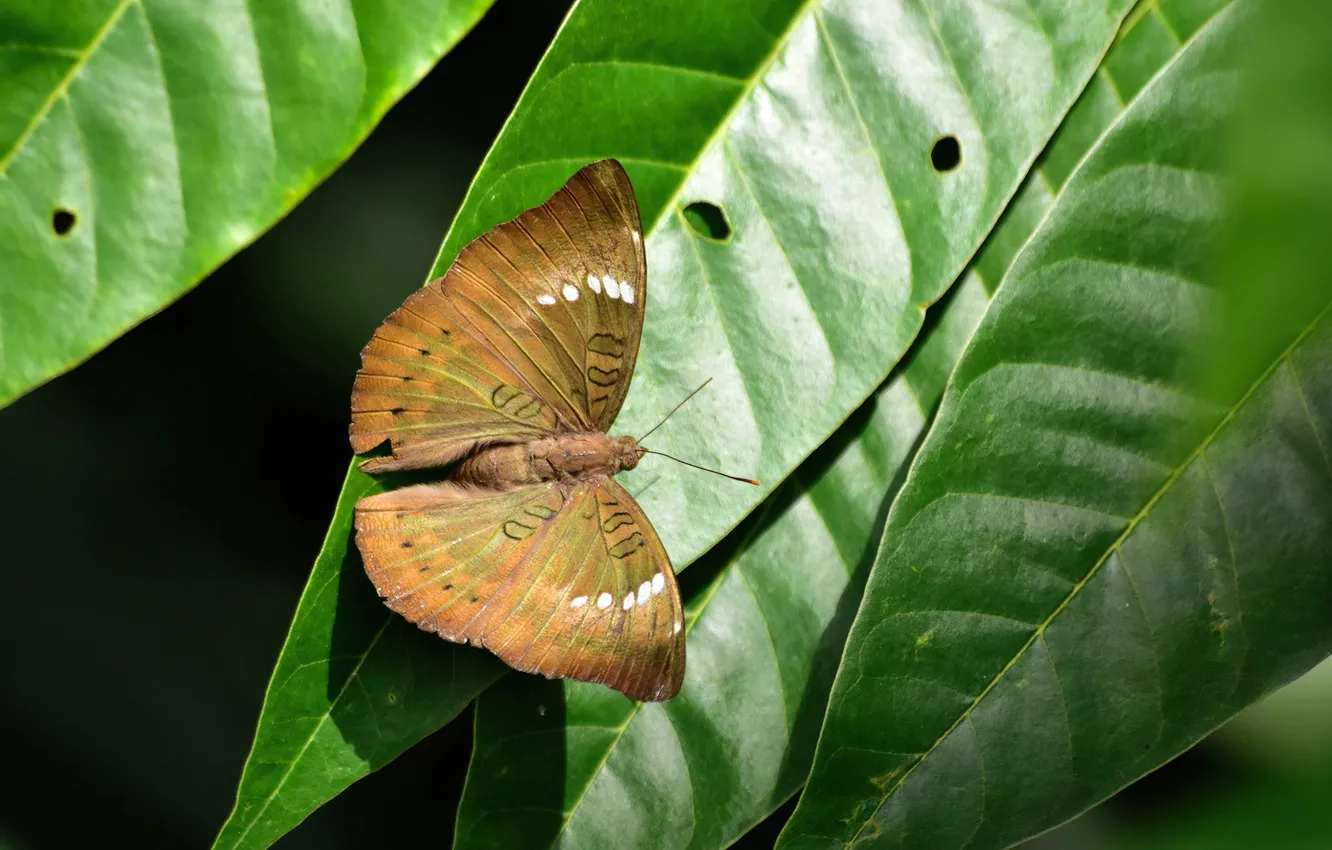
{"x": 769, "y": 111}
{"x": 730, "y": 757}
{"x": 1091, "y": 565}
{"x": 142, "y": 142}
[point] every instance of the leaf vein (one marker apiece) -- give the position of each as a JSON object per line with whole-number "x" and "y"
{"x": 63, "y": 86}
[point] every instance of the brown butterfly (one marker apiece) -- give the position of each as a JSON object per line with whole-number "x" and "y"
{"x": 509, "y": 370}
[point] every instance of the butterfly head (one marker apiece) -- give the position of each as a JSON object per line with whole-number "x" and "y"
{"x": 630, "y": 452}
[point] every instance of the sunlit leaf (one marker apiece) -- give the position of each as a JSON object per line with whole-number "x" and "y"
{"x": 142, "y": 143}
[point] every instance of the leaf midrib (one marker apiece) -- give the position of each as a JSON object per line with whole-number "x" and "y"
{"x": 323, "y": 718}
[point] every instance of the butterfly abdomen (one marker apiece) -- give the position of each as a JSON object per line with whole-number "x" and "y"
{"x": 566, "y": 458}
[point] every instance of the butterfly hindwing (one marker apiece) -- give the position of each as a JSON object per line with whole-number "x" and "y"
{"x": 606, "y": 609}
{"x": 438, "y": 553}
{"x": 568, "y": 584}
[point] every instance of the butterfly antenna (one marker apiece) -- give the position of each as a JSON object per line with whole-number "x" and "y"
{"x": 704, "y": 468}
{"x": 672, "y": 413}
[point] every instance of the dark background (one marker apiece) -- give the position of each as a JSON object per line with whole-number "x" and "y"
{"x": 164, "y": 502}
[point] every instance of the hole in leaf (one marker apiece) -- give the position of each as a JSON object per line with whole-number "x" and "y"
{"x": 946, "y": 154}
{"x": 708, "y": 221}
{"x": 62, "y": 221}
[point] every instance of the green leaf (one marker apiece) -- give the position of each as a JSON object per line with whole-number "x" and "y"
{"x": 142, "y": 142}
{"x": 572, "y": 752}
{"x": 1091, "y": 565}
{"x": 771, "y": 114}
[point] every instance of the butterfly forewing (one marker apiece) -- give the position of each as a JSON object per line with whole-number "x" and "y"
{"x": 533, "y": 331}
{"x": 559, "y": 293}
{"x": 571, "y": 585}
{"x": 436, "y": 391}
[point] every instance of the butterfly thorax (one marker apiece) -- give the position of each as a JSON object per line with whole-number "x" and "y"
{"x": 565, "y": 458}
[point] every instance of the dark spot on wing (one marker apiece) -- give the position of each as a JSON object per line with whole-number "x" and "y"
{"x": 607, "y": 344}
{"x": 616, "y": 520}
{"x": 602, "y": 377}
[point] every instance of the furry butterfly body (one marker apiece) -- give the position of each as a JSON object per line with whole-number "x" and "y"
{"x": 507, "y": 373}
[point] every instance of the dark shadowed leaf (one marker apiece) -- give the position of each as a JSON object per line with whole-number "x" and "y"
{"x": 142, "y": 143}
{"x": 1091, "y": 564}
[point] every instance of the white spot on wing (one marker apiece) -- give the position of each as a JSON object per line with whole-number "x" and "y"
{"x": 644, "y": 591}
{"x": 627, "y": 291}
{"x": 594, "y": 282}
{"x": 629, "y": 601}
{"x": 612, "y": 288}
{"x": 578, "y": 602}
{"x": 658, "y": 583}
{"x": 637, "y": 238}
{"x": 604, "y": 600}
{"x": 546, "y": 299}
{"x": 570, "y": 292}
{"x": 678, "y": 626}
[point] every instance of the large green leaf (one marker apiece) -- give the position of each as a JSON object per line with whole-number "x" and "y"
{"x": 142, "y": 142}
{"x": 1091, "y": 564}
{"x": 770, "y": 616}
{"x": 810, "y": 127}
